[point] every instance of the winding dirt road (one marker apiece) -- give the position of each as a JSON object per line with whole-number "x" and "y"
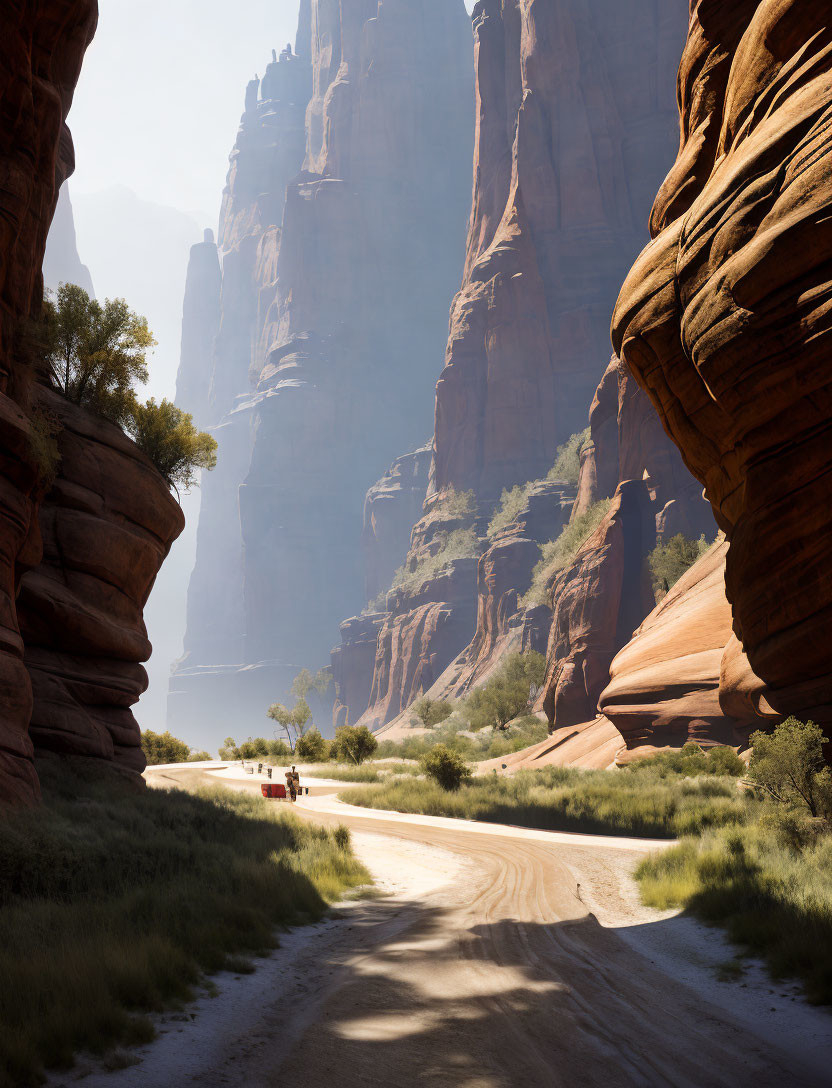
{"x": 502, "y": 958}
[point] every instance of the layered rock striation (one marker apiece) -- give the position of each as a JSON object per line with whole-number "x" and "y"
{"x": 341, "y": 244}
{"x": 725, "y": 322}
{"x": 575, "y": 127}
{"x": 44, "y": 44}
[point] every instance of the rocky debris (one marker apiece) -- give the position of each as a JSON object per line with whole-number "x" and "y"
{"x": 340, "y": 259}
{"x": 107, "y": 525}
{"x": 43, "y": 45}
{"x": 61, "y": 263}
{"x": 725, "y": 321}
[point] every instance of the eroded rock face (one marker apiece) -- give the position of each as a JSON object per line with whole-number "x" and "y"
{"x": 61, "y": 263}
{"x": 107, "y": 525}
{"x": 43, "y": 45}
{"x": 336, "y": 311}
{"x": 725, "y": 321}
{"x": 575, "y": 127}
{"x": 200, "y": 325}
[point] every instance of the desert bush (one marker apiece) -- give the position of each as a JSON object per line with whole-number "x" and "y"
{"x": 353, "y": 744}
{"x": 669, "y": 561}
{"x": 511, "y": 503}
{"x": 508, "y": 693}
{"x": 557, "y": 554}
{"x": 458, "y": 504}
{"x": 692, "y": 760}
{"x": 773, "y": 895}
{"x": 113, "y": 905}
{"x": 432, "y": 711}
{"x": 567, "y": 466}
{"x": 446, "y": 767}
{"x": 788, "y": 766}
{"x": 312, "y": 747}
{"x": 164, "y": 748}
{"x": 169, "y": 438}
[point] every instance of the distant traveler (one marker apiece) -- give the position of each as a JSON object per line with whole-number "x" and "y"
{"x": 293, "y": 783}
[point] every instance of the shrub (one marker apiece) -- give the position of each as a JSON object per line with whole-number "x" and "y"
{"x": 668, "y": 562}
{"x": 353, "y": 743}
{"x": 445, "y": 767}
{"x": 458, "y": 504}
{"x": 199, "y": 757}
{"x": 788, "y": 766}
{"x": 459, "y": 544}
{"x": 692, "y": 760}
{"x": 557, "y": 554}
{"x": 508, "y": 693}
{"x": 432, "y": 711}
{"x": 164, "y": 748}
{"x": 114, "y": 904}
{"x": 311, "y": 747}
{"x": 511, "y": 503}
{"x": 567, "y": 466}
{"x": 168, "y": 436}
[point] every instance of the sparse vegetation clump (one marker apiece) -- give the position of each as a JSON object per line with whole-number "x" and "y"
{"x": 512, "y": 502}
{"x": 567, "y": 466}
{"x": 160, "y": 748}
{"x": 169, "y": 438}
{"x": 508, "y": 693}
{"x": 353, "y": 744}
{"x": 769, "y": 881}
{"x": 312, "y": 747}
{"x": 692, "y": 760}
{"x": 115, "y": 905}
{"x": 458, "y": 544}
{"x": 639, "y": 802}
{"x": 458, "y": 504}
{"x": 432, "y": 712}
{"x": 557, "y": 554}
{"x": 445, "y": 767}
{"x": 669, "y": 561}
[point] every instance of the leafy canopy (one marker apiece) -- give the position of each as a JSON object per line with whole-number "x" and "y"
{"x": 446, "y": 767}
{"x": 165, "y": 748}
{"x": 305, "y": 682}
{"x": 432, "y": 711}
{"x": 168, "y": 436}
{"x": 788, "y": 766}
{"x": 508, "y": 693}
{"x": 669, "y": 561}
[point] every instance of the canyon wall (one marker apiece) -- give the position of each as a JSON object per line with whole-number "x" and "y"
{"x": 575, "y": 127}
{"x": 341, "y": 245}
{"x": 61, "y": 263}
{"x": 44, "y": 44}
{"x": 725, "y": 321}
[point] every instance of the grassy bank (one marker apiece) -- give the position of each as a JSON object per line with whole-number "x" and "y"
{"x": 646, "y": 802}
{"x": 366, "y": 773}
{"x": 113, "y": 906}
{"x": 773, "y": 896}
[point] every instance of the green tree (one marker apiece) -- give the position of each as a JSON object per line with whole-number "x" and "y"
{"x": 508, "y": 693}
{"x": 229, "y": 750}
{"x": 788, "y": 766}
{"x": 567, "y": 466}
{"x": 168, "y": 436}
{"x": 293, "y": 722}
{"x": 312, "y": 747}
{"x": 164, "y": 748}
{"x": 445, "y": 766}
{"x": 354, "y": 742}
{"x": 305, "y": 682}
{"x": 669, "y": 561}
{"x": 432, "y": 711}
{"x": 96, "y": 353}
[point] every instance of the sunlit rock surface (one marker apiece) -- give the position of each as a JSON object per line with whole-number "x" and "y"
{"x": 725, "y": 320}
{"x": 43, "y": 45}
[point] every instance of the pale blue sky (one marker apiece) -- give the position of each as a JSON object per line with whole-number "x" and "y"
{"x": 161, "y": 93}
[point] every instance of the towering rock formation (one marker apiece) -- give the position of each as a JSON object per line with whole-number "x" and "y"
{"x": 575, "y": 127}
{"x": 726, "y": 322}
{"x": 200, "y": 325}
{"x": 61, "y": 264}
{"x": 44, "y": 43}
{"x": 334, "y": 305}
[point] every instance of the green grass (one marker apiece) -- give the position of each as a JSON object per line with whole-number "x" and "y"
{"x": 774, "y": 897}
{"x": 115, "y": 905}
{"x": 641, "y": 803}
{"x": 367, "y": 772}
{"x": 454, "y": 734}
{"x": 558, "y": 554}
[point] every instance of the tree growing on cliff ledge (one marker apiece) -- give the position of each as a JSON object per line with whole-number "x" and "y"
{"x": 96, "y": 354}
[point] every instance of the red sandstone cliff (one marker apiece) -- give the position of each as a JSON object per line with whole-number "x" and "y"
{"x": 43, "y": 46}
{"x": 725, "y": 321}
{"x": 575, "y": 127}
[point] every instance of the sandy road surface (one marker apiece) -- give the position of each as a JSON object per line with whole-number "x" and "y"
{"x": 498, "y": 958}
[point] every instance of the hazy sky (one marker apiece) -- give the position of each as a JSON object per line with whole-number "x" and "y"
{"x": 161, "y": 93}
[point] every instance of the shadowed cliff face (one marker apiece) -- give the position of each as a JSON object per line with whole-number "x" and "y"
{"x": 333, "y": 313}
{"x": 107, "y": 525}
{"x": 725, "y": 321}
{"x": 43, "y": 46}
{"x": 575, "y": 127}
